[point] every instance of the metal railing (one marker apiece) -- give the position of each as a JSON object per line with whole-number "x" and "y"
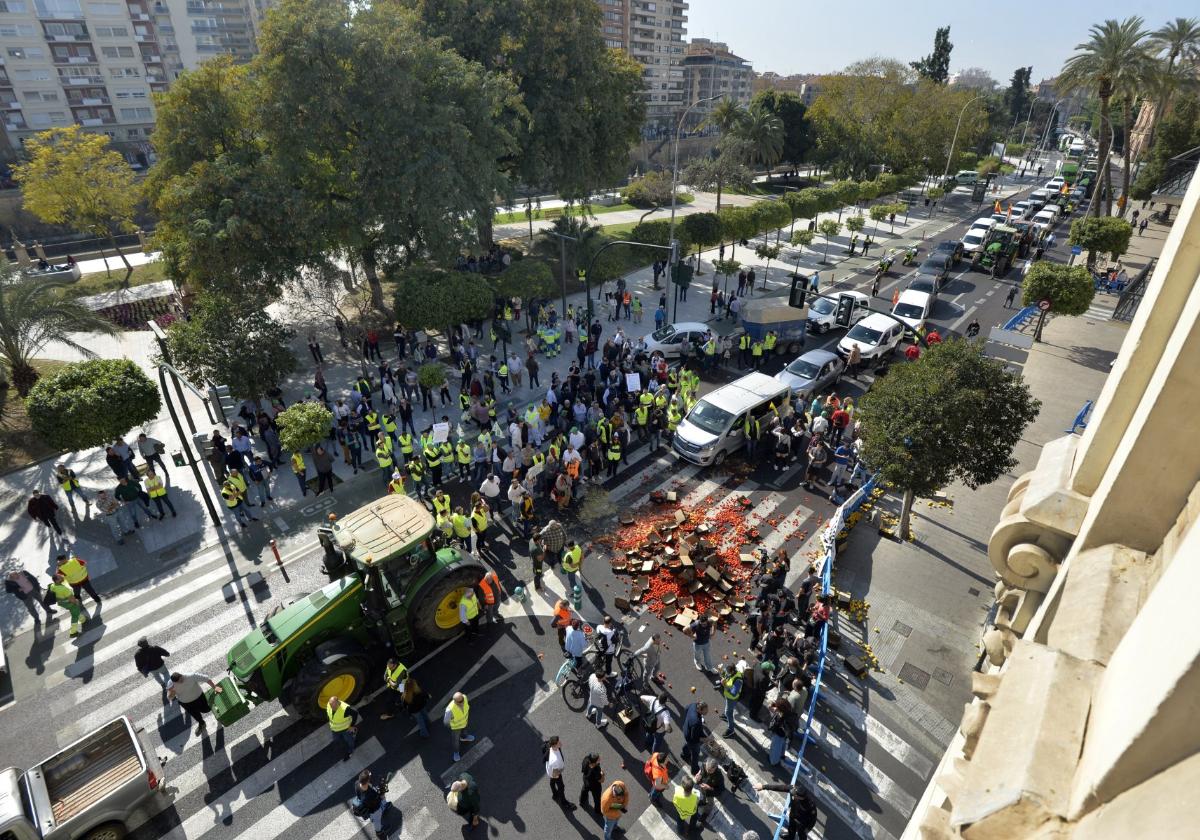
{"x": 1020, "y": 319}
{"x": 828, "y": 541}
{"x": 1131, "y": 296}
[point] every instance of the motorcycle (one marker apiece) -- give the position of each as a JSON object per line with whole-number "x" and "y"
{"x": 910, "y": 256}
{"x": 885, "y": 264}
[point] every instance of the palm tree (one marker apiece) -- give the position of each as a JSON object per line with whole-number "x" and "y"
{"x": 1178, "y": 39}
{"x": 764, "y": 132}
{"x": 34, "y": 313}
{"x": 726, "y": 115}
{"x": 1114, "y": 53}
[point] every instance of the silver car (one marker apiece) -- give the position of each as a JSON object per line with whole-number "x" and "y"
{"x": 811, "y": 373}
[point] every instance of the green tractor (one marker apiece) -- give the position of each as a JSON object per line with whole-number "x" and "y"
{"x": 389, "y": 586}
{"x": 998, "y": 252}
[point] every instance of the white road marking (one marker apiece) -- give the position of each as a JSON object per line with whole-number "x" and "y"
{"x": 474, "y": 752}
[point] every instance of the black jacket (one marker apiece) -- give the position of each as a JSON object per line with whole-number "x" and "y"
{"x": 150, "y": 658}
{"x": 12, "y": 588}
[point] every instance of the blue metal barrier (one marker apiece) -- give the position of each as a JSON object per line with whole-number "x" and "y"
{"x": 1016, "y": 321}
{"x": 1081, "y": 419}
{"x": 828, "y": 539}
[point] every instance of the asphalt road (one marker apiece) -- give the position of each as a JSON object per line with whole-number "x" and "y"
{"x": 271, "y": 775}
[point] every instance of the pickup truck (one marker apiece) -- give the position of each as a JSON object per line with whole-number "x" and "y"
{"x": 88, "y": 791}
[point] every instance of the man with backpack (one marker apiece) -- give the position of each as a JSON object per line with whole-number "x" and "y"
{"x": 370, "y": 802}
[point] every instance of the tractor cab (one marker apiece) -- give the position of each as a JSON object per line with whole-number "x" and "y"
{"x": 997, "y": 253}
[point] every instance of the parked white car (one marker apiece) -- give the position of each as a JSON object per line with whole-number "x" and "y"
{"x": 876, "y": 336}
{"x": 913, "y": 309}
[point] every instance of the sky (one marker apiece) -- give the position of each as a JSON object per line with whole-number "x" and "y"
{"x": 792, "y": 36}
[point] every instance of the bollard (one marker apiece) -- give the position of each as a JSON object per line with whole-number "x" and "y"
{"x": 577, "y": 597}
{"x": 519, "y": 594}
{"x": 275, "y": 551}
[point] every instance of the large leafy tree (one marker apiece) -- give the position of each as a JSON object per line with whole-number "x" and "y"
{"x": 1105, "y": 235}
{"x": 726, "y": 168}
{"x": 1113, "y": 54}
{"x": 432, "y": 298}
{"x": 91, "y": 403}
{"x": 1069, "y": 289}
{"x": 230, "y": 219}
{"x": 579, "y": 106}
{"x": 1178, "y": 132}
{"x": 72, "y": 177}
{"x": 982, "y": 411}
{"x": 1175, "y": 40}
{"x": 797, "y": 130}
{"x": 936, "y": 66}
{"x": 764, "y": 135}
{"x": 34, "y": 313}
{"x": 234, "y": 343}
{"x": 1018, "y": 95}
{"x": 303, "y": 424}
{"x": 392, "y": 137}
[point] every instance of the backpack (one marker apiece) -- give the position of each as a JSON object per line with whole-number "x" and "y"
{"x": 545, "y": 751}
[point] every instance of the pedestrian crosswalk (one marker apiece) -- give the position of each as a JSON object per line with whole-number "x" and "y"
{"x": 272, "y": 775}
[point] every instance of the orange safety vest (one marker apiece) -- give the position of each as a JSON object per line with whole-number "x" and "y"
{"x": 656, "y": 774}
{"x": 562, "y": 617}
{"x": 486, "y": 583}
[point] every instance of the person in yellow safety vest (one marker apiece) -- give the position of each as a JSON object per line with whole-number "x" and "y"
{"x": 641, "y": 419}
{"x": 235, "y": 476}
{"x": 235, "y": 500}
{"x": 753, "y": 431}
{"x": 441, "y": 503}
{"x": 490, "y": 402}
{"x": 75, "y": 573}
{"x": 686, "y": 803}
{"x": 343, "y": 724}
{"x": 672, "y": 381}
{"x": 743, "y": 350}
{"x": 769, "y": 342}
{"x": 372, "y": 418}
{"x": 300, "y": 471}
{"x": 462, "y": 528}
{"x": 491, "y": 588}
{"x": 433, "y": 460}
{"x": 427, "y": 440}
{"x": 396, "y": 485}
{"x": 479, "y": 526}
{"x": 463, "y": 452}
{"x": 445, "y": 527}
{"x": 614, "y": 457}
{"x": 385, "y": 441}
{"x": 385, "y": 461}
{"x": 572, "y": 562}
{"x": 646, "y": 398}
{"x": 158, "y": 493}
{"x": 468, "y": 612}
{"x": 66, "y": 600}
{"x": 485, "y": 439}
{"x": 673, "y": 417}
{"x": 394, "y": 675}
{"x": 539, "y": 458}
{"x": 457, "y": 718}
{"x": 406, "y": 446}
{"x": 756, "y": 351}
{"x": 464, "y": 401}
{"x": 502, "y": 375}
{"x": 602, "y": 430}
{"x": 417, "y": 473}
{"x": 661, "y": 397}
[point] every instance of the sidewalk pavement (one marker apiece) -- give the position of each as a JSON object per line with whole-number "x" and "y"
{"x": 160, "y": 550}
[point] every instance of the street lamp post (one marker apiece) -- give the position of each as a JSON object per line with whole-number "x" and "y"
{"x": 562, "y": 264}
{"x": 957, "y": 125}
{"x": 675, "y": 161}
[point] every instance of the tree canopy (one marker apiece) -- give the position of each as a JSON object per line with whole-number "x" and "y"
{"x": 1069, "y": 289}
{"x": 236, "y": 345}
{"x": 952, "y": 415}
{"x": 526, "y": 278}
{"x": 1018, "y": 95}
{"x": 91, "y": 403}
{"x": 791, "y": 111}
{"x": 936, "y": 66}
{"x": 432, "y": 298}
{"x": 1107, "y": 234}
{"x": 74, "y": 178}
{"x": 303, "y": 424}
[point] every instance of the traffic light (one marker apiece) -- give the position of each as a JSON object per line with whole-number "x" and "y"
{"x": 581, "y": 274}
{"x": 799, "y": 291}
{"x": 177, "y": 459}
{"x": 844, "y": 311}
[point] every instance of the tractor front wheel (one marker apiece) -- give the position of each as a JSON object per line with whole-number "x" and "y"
{"x": 435, "y": 614}
{"x": 344, "y": 676}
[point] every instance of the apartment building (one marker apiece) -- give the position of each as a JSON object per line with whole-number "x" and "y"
{"x": 652, "y": 32}
{"x": 96, "y": 63}
{"x": 712, "y": 70}
{"x": 806, "y": 86}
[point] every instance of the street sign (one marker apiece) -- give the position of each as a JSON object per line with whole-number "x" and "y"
{"x": 1043, "y": 305}
{"x": 1077, "y": 250}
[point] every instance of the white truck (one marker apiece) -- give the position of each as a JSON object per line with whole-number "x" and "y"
{"x": 88, "y": 791}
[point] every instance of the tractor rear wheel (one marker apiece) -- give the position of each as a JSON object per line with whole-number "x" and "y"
{"x": 345, "y": 676}
{"x": 435, "y": 614}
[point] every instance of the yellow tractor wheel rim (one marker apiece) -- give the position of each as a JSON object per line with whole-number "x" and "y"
{"x": 446, "y": 616}
{"x": 342, "y": 686}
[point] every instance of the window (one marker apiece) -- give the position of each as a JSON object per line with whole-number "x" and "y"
{"x": 106, "y": 9}
{"x": 39, "y": 120}
{"x": 31, "y": 75}
{"x": 20, "y": 30}
{"x": 12, "y": 6}
{"x": 58, "y": 8}
{"x": 133, "y": 132}
{"x": 39, "y": 96}
{"x": 112, "y": 31}
{"x": 117, "y": 52}
{"x": 130, "y": 93}
{"x": 16, "y": 52}
{"x": 137, "y": 114}
{"x": 73, "y": 29}
{"x": 125, "y": 72}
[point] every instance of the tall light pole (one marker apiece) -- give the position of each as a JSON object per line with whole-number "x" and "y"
{"x": 954, "y": 140}
{"x": 675, "y": 160}
{"x": 1049, "y": 125}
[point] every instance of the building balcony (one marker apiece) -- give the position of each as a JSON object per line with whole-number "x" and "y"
{"x": 92, "y": 122}
{"x": 10, "y": 105}
{"x": 151, "y": 58}
{"x": 74, "y": 59}
{"x": 81, "y": 80}
{"x": 88, "y": 101}
{"x": 72, "y": 16}
{"x": 68, "y": 39}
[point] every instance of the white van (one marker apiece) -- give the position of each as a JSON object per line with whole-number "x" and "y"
{"x": 876, "y": 336}
{"x": 1041, "y": 196}
{"x": 714, "y": 426}
{"x": 1044, "y": 220}
{"x": 913, "y": 309}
